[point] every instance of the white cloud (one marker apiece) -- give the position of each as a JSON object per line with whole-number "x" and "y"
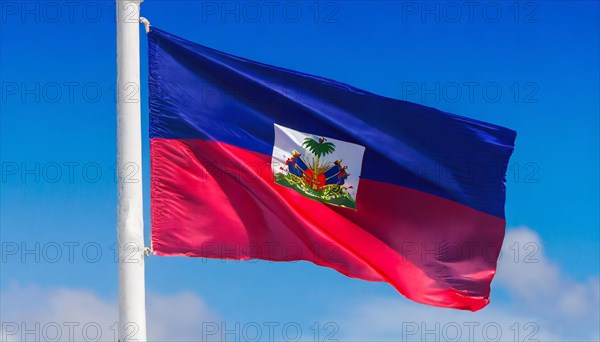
{"x": 178, "y": 317}
{"x": 538, "y": 286}
{"x": 30, "y": 313}
{"x": 543, "y": 304}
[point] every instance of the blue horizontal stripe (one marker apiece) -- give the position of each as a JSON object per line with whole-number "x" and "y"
{"x": 200, "y": 93}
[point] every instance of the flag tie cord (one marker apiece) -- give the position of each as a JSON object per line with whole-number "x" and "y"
{"x": 146, "y": 24}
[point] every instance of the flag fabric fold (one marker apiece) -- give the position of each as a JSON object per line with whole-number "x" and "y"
{"x": 250, "y": 161}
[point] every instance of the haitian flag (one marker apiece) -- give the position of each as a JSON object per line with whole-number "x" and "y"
{"x": 250, "y": 161}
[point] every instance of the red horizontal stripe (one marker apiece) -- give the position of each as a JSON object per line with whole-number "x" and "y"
{"x": 216, "y": 200}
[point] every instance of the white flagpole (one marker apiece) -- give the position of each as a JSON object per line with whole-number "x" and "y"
{"x": 130, "y": 222}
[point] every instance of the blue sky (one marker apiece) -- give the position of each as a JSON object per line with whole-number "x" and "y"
{"x": 529, "y": 66}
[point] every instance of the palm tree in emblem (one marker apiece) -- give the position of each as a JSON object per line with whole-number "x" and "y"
{"x": 318, "y": 148}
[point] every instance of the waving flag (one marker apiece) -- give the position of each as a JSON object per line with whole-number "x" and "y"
{"x": 254, "y": 161}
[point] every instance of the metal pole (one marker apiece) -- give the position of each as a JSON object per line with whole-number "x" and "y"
{"x": 130, "y": 223}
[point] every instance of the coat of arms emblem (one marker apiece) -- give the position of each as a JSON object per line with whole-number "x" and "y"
{"x": 320, "y": 168}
